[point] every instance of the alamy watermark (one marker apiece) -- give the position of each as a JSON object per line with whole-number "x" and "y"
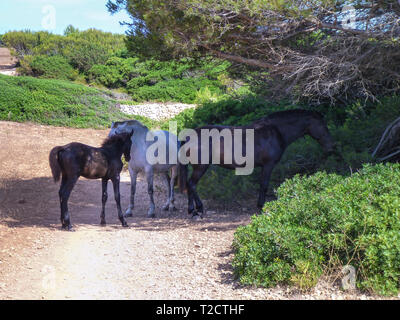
{"x": 49, "y": 21}
{"x": 213, "y": 146}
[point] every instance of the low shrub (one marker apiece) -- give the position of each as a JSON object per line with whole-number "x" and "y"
{"x": 50, "y": 67}
{"x": 116, "y": 73}
{"x": 60, "y": 103}
{"x": 184, "y": 80}
{"x": 180, "y": 90}
{"x": 82, "y": 49}
{"x": 321, "y": 223}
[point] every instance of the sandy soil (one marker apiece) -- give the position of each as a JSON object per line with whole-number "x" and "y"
{"x": 169, "y": 257}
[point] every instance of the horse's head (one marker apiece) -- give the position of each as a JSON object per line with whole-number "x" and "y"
{"x": 115, "y": 128}
{"x": 127, "y": 146}
{"x": 318, "y": 130}
{"x": 120, "y": 143}
{"x": 119, "y": 127}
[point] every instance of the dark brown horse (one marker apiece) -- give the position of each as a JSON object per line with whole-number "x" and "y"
{"x": 272, "y": 135}
{"x": 76, "y": 159}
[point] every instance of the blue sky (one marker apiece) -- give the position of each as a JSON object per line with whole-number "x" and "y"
{"x": 56, "y": 15}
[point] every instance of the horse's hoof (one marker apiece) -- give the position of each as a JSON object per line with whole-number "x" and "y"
{"x": 125, "y": 225}
{"x": 151, "y": 215}
{"x": 103, "y": 223}
{"x": 128, "y": 212}
{"x": 196, "y": 217}
{"x": 174, "y": 209}
{"x": 67, "y": 227}
{"x": 165, "y": 208}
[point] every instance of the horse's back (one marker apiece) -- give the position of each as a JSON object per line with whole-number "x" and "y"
{"x": 268, "y": 142}
{"x": 84, "y": 159}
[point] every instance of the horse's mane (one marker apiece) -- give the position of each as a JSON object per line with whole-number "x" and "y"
{"x": 129, "y": 123}
{"x": 113, "y": 139}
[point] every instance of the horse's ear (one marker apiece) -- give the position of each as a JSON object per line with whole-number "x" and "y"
{"x": 112, "y": 124}
{"x": 131, "y": 132}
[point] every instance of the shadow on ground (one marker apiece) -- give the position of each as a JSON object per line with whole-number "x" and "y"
{"x": 34, "y": 202}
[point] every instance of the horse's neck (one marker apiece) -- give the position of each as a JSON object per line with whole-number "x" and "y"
{"x": 139, "y": 138}
{"x": 291, "y": 131}
{"x": 138, "y": 147}
{"x": 113, "y": 151}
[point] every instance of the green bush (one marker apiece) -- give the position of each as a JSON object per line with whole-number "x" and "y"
{"x": 116, "y": 73}
{"x": 82, "y": 49}
{"x": 50, "y": 67}
{"x": 56, "y": 102}
{"x": 183, "y": 80}
{"x": 181, "y": 90}
{"x": 321, "y": 223}
{"x": 24, "y": 42}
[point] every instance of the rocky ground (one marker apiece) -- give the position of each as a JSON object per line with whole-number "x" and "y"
{"x": 156, "y": 111}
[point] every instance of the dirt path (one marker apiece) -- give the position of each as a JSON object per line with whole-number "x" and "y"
{"x": 7, "y": 62}
{"x": 169, "y": 257}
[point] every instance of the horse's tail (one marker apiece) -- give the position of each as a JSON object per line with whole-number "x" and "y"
{"x": 182, "y": 176}
{"x": 54, "y": 163}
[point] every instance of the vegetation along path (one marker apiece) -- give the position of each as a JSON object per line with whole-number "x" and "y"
{"x": 169, "y": 257}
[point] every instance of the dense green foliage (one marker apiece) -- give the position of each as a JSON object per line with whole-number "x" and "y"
{"x": 57, "y": 102}
{"x": 50, "y": 67}
{"x": 82, "y": 49}
{"x": 320, "y": 224}
{"x": 102, "y": 59}
{"x": 154, "y": 80}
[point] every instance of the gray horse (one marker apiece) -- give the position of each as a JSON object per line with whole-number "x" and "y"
{"x": 142, "y": 140}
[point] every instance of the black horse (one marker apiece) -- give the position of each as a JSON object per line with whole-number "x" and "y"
{"x": 272, "y": 135}
{"x": 76, "y": 159}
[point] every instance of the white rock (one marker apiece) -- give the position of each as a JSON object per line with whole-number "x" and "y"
{"x": 156, "y": 111}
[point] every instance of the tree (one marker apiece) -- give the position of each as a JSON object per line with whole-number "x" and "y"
{"x": 70, "y": 29}
{"x": 324, "y": 50}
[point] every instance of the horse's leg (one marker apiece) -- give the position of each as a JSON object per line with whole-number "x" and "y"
{"x": 64, "y": 196}
{"x": 198, "y": 171}
{"x": 150, "y": 191}
{"x": 60, "y": 194}
{"x": 167, "y": 181}
{"x": 265, "y": 177}
{"x": 103, "y": 200}
{"x": 174, "y": 175}
{"x": 133, "y": 174}
{"x": 115, "y": 181}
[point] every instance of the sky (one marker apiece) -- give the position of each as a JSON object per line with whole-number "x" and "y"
{"x": 55, "y": 15}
